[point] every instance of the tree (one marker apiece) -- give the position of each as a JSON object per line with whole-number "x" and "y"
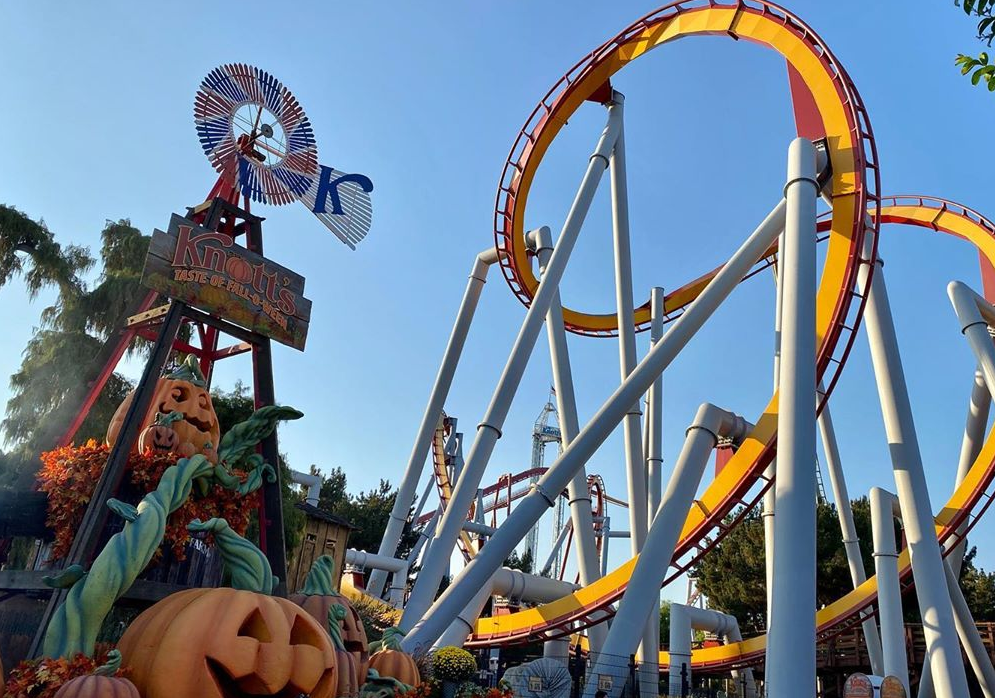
{"x": 51, "y": 379}
{"x": 733, "y": 574}
{"x": 981, "y": 66}
{"x": 368, "y": 511}
{"x": 523, "y": 562}
{"x": 979, "y": 589}
{"x": 665, "y": 624}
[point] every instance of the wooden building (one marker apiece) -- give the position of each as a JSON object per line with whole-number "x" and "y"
{"x": 324, "y": 534}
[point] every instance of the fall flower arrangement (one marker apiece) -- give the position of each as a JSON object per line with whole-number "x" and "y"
{"x": 453, "y": 664}
{"x": 69, "y": 475}
{"x": 42, "y": 678}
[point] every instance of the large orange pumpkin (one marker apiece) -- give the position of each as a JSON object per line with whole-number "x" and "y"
{"x": 183, "y": 391}
{"x": 392, "y": 661}
{"x": 225, "y": 643}
{"x": 349, "y": 679}
{"x": 318, "y": 597}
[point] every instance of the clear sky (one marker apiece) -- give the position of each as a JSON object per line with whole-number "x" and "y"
{"x": 426, "y": 99}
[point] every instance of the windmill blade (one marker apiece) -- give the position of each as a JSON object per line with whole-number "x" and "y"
{"x": 352, "y": 221}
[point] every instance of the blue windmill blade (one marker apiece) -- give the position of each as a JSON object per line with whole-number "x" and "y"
{"x": 341, "y": 201}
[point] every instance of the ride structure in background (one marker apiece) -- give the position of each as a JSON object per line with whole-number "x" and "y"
{"x": 834, "y": 160}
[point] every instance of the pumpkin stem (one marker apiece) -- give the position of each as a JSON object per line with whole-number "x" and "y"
{"x": 112, "y": 665}
{"x": 250, "y": 570}
{"x": 336, "y": 614}
{"x": 189, "y": 371}
{"x": 320, "y": 579}
{"x": 166, "y": 420}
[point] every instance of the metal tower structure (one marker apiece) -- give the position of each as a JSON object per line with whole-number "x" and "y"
{"x": 544, "y": 433}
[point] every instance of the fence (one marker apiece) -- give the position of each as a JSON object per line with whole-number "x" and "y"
{"x": 573, "y": 677}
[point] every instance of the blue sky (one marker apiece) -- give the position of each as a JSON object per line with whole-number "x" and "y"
{"x": 426, "y": 99}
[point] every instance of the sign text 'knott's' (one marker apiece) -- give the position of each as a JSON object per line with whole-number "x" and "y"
{"x": 207, "y": 270}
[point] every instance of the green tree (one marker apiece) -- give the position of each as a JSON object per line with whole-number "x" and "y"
{"x": 980, "y": 66}
{"x": 664, "y": 624}
{"x": 367, "y": 511}
{"x": 51, "y": 380}
{"x": 28, "y": 249}
{"x": 733, "y": 574}
{"x": 979, "y": 589}
{"x": 521, "y": 562}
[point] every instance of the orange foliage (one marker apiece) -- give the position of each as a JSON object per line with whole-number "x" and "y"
{"x": 69, "y": 475}
{"x": 42, "y": 678}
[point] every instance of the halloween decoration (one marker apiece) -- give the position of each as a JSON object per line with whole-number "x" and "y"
{"x": 76, "y": 622}
{"x": 226, "y": 643}
{"x": 377, "y": 686}
{"x": 184, "y": 391}
{"x": 318, "y": 597}
{"x": 348, "y": 673}
{"x": 391, "y": 661}
{"x": 161, "y": 436}
{"x": 101, "y": 684}
{"x": 249, "y": 568}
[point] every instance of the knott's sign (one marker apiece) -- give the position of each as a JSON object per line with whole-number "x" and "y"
{"x": 209, "y": 271}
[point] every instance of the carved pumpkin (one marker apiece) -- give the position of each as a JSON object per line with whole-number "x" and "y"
{"x": 161, "y": 436}
{"x": 318, "y": 597}
{"x": 393, "y": 662}
{"x": 101, "y": 684}
{"x": 226, "y": 643}
{"x": 183, "y": 391}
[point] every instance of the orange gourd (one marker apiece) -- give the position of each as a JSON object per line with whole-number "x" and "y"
{"x": 349, "y": 679}
{"x": 391, "y": 661}
{"x": 183, "y": 391}
{"x": 318, "y": 597}
{"x": 226, "y": 643}
{"x": 101, "y": 684}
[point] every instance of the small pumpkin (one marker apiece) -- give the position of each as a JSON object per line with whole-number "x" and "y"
{"x": 349, "y": 679}
{"x": 228, "y": 643}
{"x": 184, "y": 391}
{"x": 392, "y": 661}
{"x": 318, "y": 596}
{"x": 101, "y": 683}
{"x": 161, "y": 436}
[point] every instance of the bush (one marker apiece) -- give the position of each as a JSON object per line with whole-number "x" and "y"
{"x": 453, "y": 664}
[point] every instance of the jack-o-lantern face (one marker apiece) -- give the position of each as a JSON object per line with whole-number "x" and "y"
{"x": 224, "y": 643}
{"x": 158, "y": 437}
{"x": 185, "y": 392}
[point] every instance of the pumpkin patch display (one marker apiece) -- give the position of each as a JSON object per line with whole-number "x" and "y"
{"x": 101, "y": 684}
{"x": 318, "y": 597}
{"x": 391, "y": 661}
{"x": 226, "y": 643}
{"x": 185, "y": 392}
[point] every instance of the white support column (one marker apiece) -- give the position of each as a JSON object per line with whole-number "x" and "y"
{"x": 641, "y": 597}
{"x": 489, "y": 430}
{"x": 684, "y": 619}
{"x": 851, "y": 544}
{"x": 974, "y": 438}
{"x": 436, "y": 400}
{"x": 790, "y": 667}
{"x": 947, "y": 669}
{"x": 970, "y": 638}
{"x": 654, "y": 414}
{"x": 589, "y": 439}
{"x": 889, "y": 590}
{"x": 767, "y": 509}
{"x": 635, "y": 465}
{"x": 579, "y": 496}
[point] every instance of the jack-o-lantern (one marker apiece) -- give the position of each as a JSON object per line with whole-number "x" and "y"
{"x": 161, "y": 437}
{"x": 318, "y": 597}
{"x": 184, "y": 391}
{"x": 349, "y": 678}
{"x": 226, "y": 643}
{"x": 392, "y": 661}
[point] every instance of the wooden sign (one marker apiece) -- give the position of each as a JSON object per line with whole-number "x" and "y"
{"x": 858, "y": 686}
{"x": 207, "y": 270}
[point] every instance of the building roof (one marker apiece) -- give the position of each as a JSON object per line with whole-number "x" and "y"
{"x": 317, "y": 513}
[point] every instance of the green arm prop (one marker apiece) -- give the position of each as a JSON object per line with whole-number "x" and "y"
{"x": 76, "y": 622}
{"x": 250, "y": 570}
{"x": 241, "y": 439}
{"x": 320, "y": 578}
